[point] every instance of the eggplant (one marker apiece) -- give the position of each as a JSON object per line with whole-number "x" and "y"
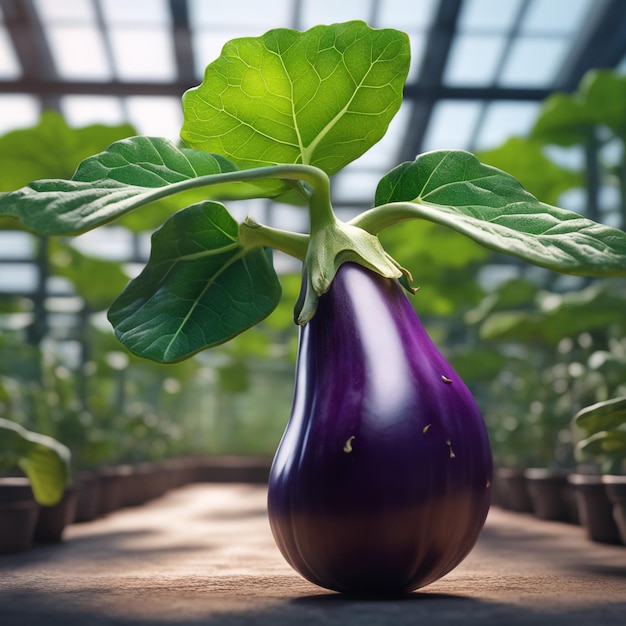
{"x": 382, "y": 480}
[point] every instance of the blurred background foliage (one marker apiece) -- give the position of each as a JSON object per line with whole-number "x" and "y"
{"x": 535, "y": 347}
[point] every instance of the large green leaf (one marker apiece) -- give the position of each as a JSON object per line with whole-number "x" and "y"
{"x": 130, "y": 173}
{"x": 44, "y": 460}
{"x": 321, "y": 97}
{"x": 199, "y": 288}
{"x": 601, "y": 416}
{"x": 455, "y": 189}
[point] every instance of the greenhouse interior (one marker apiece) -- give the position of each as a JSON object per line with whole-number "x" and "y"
{"x": 310, "y": 308}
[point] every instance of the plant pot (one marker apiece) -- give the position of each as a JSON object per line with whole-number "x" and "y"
{"x": 616, "y": 491}
{"x": 18, "y": 515}
{"x": 53, "y": 519}
{"x": 145, "y": 482}
{"x": 112, "y": 482}
{"x": 233, "y": 469}
{"x": 513, "y": 490}
{"x": 594, "y": 508}
{"x": 548, "y": 494}
{"x": 88, "y": 496}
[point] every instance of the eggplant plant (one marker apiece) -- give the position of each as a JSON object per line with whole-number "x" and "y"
{"x": 382, "y": 480}
{"x": 603, "y": 429}
{"x": 44, "y": 460}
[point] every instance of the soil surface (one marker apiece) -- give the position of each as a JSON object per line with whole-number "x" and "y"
{"x": 204, "y": 554}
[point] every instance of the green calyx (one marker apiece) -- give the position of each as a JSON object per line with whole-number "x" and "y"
{"x": 329, "y": 247}
{"x": 330, "y": 243}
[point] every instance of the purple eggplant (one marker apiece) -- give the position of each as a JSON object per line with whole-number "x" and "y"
{"x": 382, "y": 480}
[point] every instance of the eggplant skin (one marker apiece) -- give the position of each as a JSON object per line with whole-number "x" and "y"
{"x": 382, "y": 481}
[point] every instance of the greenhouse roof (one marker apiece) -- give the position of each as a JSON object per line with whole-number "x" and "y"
{"x": 479, "y": 67}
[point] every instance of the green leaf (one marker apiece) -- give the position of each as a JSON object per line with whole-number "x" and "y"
{"x": 97, "y": 281}
{"x": 564, "y": 120}
{"x": 558, "y": 316}
{"x": 44, "y": 460}
{"x": 321, "y": 97}
{"x": 445, "y": 271}
{"x": 130, "y": 173}
{"x": 200, "y": 287}
{"x": 526, "y": 160}
{"x": 513, "y": 293}
{"x": 455, "y": 189}
{"x": 604, "y": 415}
{"x": 611, "y": 443}
{"x": 605, "y": 93}
{"x": 51, "y": 149}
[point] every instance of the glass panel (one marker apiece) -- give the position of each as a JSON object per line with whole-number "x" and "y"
{"x": 316, "y": 12}
{"x": 356, "y": 185}
{"x": 534, "y": 62}
{"x": 84, "y": 110}
{"x": 405, "y": 14}
{"x": 155, "y": 116}
{"x": 483, "y": 15}
{"x": 452, "y": 125}
{"x": 18, "y": 111}
{"x": 18, "y": 277}
{"x": 242, "y": 13}
{"x": 79, "y": 52}
{"x": 384, "y": 155}
{"x": 9, "y": 67}
{"x": 136, "y": 12}
{"x": 143, "y": 55}
{"x": 16, "y": 244}
{"x": 66, "y": 10}
{"x": 207, "y": 46}
{"x": 503, "y": 120}
{"x": 288, "y": 218}
{"x": 561, "y": 17}
{"x": 113, "y": 242}
{"x": 474, "y": 60}
{"x": 418, "y": 47}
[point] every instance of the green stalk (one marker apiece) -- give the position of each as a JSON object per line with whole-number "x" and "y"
{"x": 253, "y": 235}
{"x": 381, "y": 217}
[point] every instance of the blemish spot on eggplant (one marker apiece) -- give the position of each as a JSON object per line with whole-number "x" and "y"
{"x": 446, "y": 379}
{"x": 449, "y": 444}
{"x": 426, "y": 428}
{"x": 347, "y": 447}
{"x": 488, "y": 484}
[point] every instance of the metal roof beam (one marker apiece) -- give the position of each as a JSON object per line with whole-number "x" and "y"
{"x": 183, "y": 42}
{"x": 54, "y": 88}
{"x": 601, "y": 44}
{"x": 430, "y": 76}
{"x": 31, "y": 46}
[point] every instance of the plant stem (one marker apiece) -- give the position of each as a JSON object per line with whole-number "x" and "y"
{"x": 380, "y": 217}
{"x": 252, "y": 235}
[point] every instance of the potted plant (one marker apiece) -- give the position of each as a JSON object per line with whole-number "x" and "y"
{"x": 385, "y": 456}
{"x": 45, "y": 463}
{"x": 602, "y": 427}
